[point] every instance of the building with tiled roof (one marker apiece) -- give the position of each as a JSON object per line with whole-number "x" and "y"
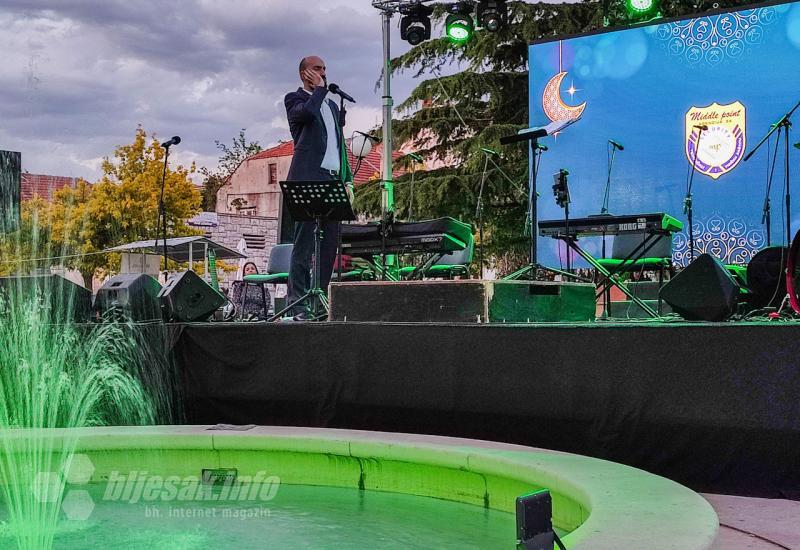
{"x": 39, "y": 185}
{"x": 253, "y": 187}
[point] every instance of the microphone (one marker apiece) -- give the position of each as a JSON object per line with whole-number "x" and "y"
{"x": 335, "y": 89}
{"x": 541, "y": 147}
{"x": 374, "y": 139}
{"x": 701, "y": 127}
{"x": 414, "y": 156}
{"x": 490, "y": 151}
{"x": 616, "y": 145}
{"x": 174, "y": 141}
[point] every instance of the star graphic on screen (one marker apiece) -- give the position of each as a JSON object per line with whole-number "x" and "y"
{"x": 572, "y": 89}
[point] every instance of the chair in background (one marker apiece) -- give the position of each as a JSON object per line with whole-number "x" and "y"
{"x": 448, "y": 266}
{"x": 658, "y": 258}
{"x": 277, "y": 271}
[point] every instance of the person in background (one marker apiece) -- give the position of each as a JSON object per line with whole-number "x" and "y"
{"x": 254, "y": 304}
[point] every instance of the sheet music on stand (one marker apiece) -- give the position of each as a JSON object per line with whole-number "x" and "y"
{"x": 325, "y": 199}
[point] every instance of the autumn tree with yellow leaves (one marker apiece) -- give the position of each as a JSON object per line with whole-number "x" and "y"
{"x": 79, "y": 223}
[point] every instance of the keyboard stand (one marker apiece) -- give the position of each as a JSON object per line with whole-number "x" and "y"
{"x": 611, "y": 278}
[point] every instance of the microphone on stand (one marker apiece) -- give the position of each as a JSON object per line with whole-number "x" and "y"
{"x": 174, "y": 141}
{"x": 335, "y": 89}
{"x": 491, "y": 152}
{"x": 616, "y": 145}
{"x": 374, "y": 139}
{"x": 541, "y": 147}
{"x": 414, "y": 156}
{"x": 701, "y": 127}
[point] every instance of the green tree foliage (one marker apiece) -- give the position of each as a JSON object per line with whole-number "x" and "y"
{"x": 451, "y": 117}
{"x": 79, "y": 223}
{"x": 229, "y": 160}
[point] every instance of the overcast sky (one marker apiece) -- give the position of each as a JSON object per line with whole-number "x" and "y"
{"x": 78, "y": 76}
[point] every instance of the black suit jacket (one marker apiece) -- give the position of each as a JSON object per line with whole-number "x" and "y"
{"x": 309, "y": 133}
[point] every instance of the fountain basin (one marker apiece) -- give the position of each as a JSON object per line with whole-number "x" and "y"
{"x": 596, "y": 504}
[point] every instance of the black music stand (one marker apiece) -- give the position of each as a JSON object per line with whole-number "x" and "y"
{"x": 317, "y": 201}
{"x": 532, "y": 136}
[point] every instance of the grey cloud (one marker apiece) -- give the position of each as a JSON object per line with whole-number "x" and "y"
{"x": 82, "y": 74}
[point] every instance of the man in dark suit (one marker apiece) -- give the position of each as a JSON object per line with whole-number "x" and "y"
{"x": 315, "y": 123}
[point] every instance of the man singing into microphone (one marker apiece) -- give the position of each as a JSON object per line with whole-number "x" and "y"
{"x": 319, "y": 154}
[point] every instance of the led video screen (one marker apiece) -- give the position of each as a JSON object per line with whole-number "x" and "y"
{"x": 647, "y": 88}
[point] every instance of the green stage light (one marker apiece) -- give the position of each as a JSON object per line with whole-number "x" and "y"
{"x": 459, "y": 26}
{"x": 641, "y": 8}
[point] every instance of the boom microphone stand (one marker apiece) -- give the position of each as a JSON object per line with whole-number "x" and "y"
{"x": 687, "y": 201}
{"x": 785, "y": 123}
{"x": 766, "y": 212}
{"x": 532, "y": 136}
{"x": 479, "y": 207}
{"x": 161, "y": 224}
{"x": 607, "y": 192}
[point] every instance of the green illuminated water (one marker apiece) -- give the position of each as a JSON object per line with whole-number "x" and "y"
{"x": 56, "y": 374}
{"x": 298, "y": 517}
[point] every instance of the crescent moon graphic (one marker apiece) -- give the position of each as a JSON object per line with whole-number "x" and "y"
{"x": 554, "y": 107}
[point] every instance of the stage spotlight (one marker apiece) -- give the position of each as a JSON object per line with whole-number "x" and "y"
{"x": 641, "y": 9}
{"x": 415, "y": 26}
{"x": 459, "y": 25}
{"x": 491, "y": 15}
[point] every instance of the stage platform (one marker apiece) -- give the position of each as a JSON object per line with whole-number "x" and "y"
{"x": 715, "y": 406}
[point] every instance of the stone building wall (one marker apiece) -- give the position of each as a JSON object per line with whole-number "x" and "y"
{"x": 260, "y": 233}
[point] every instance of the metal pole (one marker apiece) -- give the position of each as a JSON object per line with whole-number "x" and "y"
{"x": 387, "y": 194}
{"x": 786, "y": 126}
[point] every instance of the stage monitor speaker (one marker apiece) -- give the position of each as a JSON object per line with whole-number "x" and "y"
{"x": 131, "y": 297}
{"x": 766, "y": 276}
{"x": 60, "y": 297}
{"x": 186, "y": 297}
{"x": 462, "y": 301}
{"x": 703, "y": 291}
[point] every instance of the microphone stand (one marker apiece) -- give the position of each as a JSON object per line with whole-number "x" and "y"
{"x": 604, "y": 208}
{"x": 479, "y": 209}
{"x": 411, "y": 192}
{"x": 342, "y": 158}
{"x": 604, "y": 212}
{"x": 784, "y": 123}
{"x": 766, "y": 214}
{"x": 162, "y": 212}
{"x": 687, "y": 201}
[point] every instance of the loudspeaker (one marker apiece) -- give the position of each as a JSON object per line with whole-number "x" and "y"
{"x": 703, "y": 291}
{"x": 133, "y": 297}
{"x": 766, "y": 276}
{"x": 187, "y": 297}
{"x": 63, "y": 299}
{"x": 462, "y": 301}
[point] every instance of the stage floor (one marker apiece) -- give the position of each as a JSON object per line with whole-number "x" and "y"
{"x": 711, "y": 405}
